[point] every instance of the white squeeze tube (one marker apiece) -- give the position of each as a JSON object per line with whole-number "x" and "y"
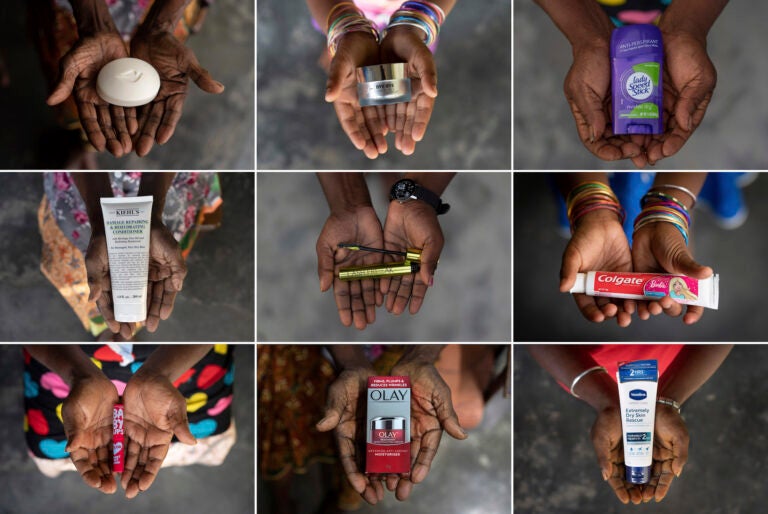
{"x": 126, "y": 223}
{"x": 638, "y": 381}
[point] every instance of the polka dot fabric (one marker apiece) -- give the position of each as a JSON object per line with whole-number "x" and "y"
{"x": 629, "y": 12}
{"x": 207, "y": 387}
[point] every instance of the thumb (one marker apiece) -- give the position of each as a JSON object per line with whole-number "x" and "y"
{"x": 330, "y": 420}
{"x": 67, "y": 77}
{"x": 569, "y": 268}
{"x": 691, "y": 105}
{"x": 680, "y": 453}
{"x": 448, "y": 418}
{"x": 183, "y": 433}
{"x": 340, "y": 69}
{"x": 424, "y": 63}
{"x": 430, "y": 255}
{"x": 204, "y": 80}
{"x": 680, "y": 261}
{"x": 325, "y": 266}
{"x": 590, "y": 106}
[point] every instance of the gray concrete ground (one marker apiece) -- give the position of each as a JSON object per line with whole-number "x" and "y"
{"x": 215, "y": 305}
{"x": 467, "y": 477}
{"x": 214, "y": 132}
{"x": 542, "y": 313}
{"x": 192, "y": 489}
{"x": 470, "y": 300}
{"x": 730, "y": 137}
{"x": 470, "y": 126}
{"x": 555, "y": 465}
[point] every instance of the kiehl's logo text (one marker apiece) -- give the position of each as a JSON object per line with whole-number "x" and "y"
{"x": 127, "y": 212}
{"x": 388, "y": 395}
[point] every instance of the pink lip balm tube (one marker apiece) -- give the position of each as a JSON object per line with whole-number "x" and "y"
{"x": 118, "y": 438}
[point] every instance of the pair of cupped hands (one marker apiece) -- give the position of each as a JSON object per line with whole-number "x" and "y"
{"x": 165, "y": 278}
{"x": 431, "y": 413}
{"x": 670, "y": 453}
{"x": 367, "y": 127}
{"x": 408, "y": 225}
{"x": 689, "y": 79}
{"x": 155, "y": 411}
{"x": 117, "y": 129}
{"x": 599, "y": 243}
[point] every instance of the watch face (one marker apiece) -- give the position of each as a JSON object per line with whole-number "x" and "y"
{"x": 403, "y": 190}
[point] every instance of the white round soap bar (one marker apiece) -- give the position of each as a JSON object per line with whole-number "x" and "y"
{"x": 128, "y": 82}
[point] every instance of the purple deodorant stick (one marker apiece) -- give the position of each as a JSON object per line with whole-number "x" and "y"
{"x": 636, "y": 58}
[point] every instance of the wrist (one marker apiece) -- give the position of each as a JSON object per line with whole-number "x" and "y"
{"x": 600, "y": 217}
{"x": 420, "y": 356}
{"x": 92, "y": 18}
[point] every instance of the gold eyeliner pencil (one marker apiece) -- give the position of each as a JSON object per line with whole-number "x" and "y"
{"x": 379, "y": 270}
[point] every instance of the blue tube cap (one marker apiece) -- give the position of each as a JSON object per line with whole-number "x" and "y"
{"x": 638, "y": 474}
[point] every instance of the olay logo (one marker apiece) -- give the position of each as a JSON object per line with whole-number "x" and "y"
{"x": 618, "y": 280}
{"x": 638, "y": 394}
{"x": 388, "y": 395}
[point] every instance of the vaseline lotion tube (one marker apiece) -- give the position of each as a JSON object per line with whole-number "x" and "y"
{"x": 126, "y": 223}
{"x": 638, "y": 381}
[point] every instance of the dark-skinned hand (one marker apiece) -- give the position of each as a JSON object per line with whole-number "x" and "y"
{"x": 411, "y": 225}
{"x": 670, "y": 452}
{"x": 107, "y": 126}
{"x": 597, "y": 244}
{"x": 155, "y": 411}
{"x": 409, "y": 120}
{"x": 87, "y": 419}
{"x": 345, "y": 415}
{"x": 365, "y": 126}
{"x": 607, "y": 439}
{"x": 176, "y": 64}
{"x": 660, "y": 248}
{"x": 356, "y": 300}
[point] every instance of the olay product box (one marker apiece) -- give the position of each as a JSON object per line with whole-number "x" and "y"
{"x": 388, "y": 425}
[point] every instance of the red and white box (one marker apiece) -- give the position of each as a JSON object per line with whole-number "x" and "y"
{"x": 388, "y": 425}
{"x": 118, "y": 438}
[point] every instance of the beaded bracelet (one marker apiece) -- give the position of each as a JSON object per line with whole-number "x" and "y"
{"x": 661, "y": 207}
{"x": 425, "y": 16}
{"x": 348, "y": 18}
{"x": 591, "y": 196}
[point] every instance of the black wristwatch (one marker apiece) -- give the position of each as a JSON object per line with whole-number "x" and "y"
{"x": 406, "y": 190}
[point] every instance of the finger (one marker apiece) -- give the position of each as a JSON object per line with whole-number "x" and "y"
{"x": 400, "y": 114}
{"x": 132, "y": 449}
{"x": 151, "y": 119}
{"x": 169, "y": 298}
{"x": 404, "y": 488}
{"x": 429, "y": 443}
{"x": 333, "y": 411}
{"x": 391, "y": 111}
{"x": 81, "y": 458}
{"x": 347, "y": 458}
{"x": 357, "y": 305}
{"x": 443, "y": 404}
{"x": 693, "y": 314}
{"x": 203, "y": 79}
{"x": 171, "y": 116}
{"x": 665, "y": 481}
{"x": 408, "y": 145}
{"x": 588, "y": 308}
{"x": 126, "y": 330}
{"x": 394, "y": 286}
{"x": 352, "y": 123}
{"x": 424, "y": 107}
{"x": 670, "y": 307}
{"x": 105, "y": 121}
{"x": 91, "y": 126}
{"x": 156, "y": 300}
{"x": 569, "y": 267}
{"x": 183, "y": 433}
{"x": 635, "y": 494}
{"x": 680, "y": 452}
{"x": 418, "y": 293}
{"x": 382, "y": 114}
{"x": 369, "y": 299}
{"x": 392, "y": 482}
{"x": 121, "y": 129}
{"x": 403, "y": 294}
{"x": 587, "y": 109}
{"x": 375, "y": 128}
{"x": 424, "y": 64}
{"x": 343, "y": 302}
{"x": 616, "y": 482}
{"x": 104, "y": 303}
{"x": 155, "y": 457}
{"x": 131, "y": 122}
{"x": 642, "y": 310}
{"x": 69, "y": 71}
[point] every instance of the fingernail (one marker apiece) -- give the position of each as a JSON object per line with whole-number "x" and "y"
{"x": 431, "y": 281}
{"x": 605, "y": 474}
{"x": 591, "y": 134}
{"x": 690, "y": 123}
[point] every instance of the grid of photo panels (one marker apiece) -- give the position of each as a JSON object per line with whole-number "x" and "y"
{"x": 256, "y": 256}
{"x": 637, "y": 370}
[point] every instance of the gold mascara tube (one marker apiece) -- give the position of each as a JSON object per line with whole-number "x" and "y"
{"x": 379, "y": 270}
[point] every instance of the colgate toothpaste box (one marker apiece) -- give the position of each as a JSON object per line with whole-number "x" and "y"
{"x": 388, "y": 425}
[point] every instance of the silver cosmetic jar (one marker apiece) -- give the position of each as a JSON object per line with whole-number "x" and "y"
{"x": 383, "y": 84}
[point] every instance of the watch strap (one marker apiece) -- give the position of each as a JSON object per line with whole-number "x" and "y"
{"x": 432, "y": 199}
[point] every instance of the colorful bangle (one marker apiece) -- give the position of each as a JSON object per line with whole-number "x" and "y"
{"x": 591, "y": 196}
{"x": 348, "y": 18}
{"x": 425, "y": 16}
{"x": 660, "y": 207}
{"x": 679, "y": 188}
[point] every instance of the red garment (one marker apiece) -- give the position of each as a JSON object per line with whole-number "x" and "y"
{"x": 609, "y": 355}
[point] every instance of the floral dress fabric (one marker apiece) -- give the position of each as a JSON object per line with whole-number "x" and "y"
{"x": 66, "y": 229}
{"x": 206, "y": 386}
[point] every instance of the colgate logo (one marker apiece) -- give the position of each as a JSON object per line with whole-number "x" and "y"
{"x": 638, "y": 394}
{"x": 618, "y": 280}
